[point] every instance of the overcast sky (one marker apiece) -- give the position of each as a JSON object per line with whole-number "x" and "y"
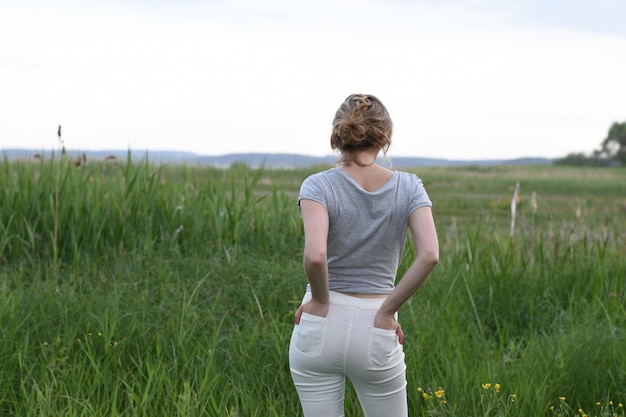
{"x": 462, "y": 79}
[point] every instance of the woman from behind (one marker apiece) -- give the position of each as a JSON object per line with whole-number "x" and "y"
{"x": 356, "y": 217}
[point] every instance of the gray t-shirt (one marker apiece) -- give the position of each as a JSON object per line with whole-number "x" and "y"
{"x": 367, "y": 230}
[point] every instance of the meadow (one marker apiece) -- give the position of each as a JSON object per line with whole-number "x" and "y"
{"x": 138, "y": 289}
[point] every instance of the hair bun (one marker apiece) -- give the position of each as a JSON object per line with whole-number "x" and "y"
{"x": 352, "y": 132}
{"x": 361, "y": 122}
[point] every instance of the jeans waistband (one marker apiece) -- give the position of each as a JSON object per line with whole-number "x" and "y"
{"x": 338, "y": 298}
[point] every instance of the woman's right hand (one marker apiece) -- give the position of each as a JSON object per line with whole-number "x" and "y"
{"x": 312, "y": 307}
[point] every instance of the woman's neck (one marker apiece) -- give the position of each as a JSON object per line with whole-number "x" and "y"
{"x": 363, "y": 159}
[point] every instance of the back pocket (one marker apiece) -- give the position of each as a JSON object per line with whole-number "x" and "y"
{"x": 384, "y": 348}
{"x": 310, "y": 334}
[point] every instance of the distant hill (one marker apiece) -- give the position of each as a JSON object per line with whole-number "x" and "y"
{"x": 274, "y": 160}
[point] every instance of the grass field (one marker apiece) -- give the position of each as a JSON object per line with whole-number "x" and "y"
{"x": 145, "y": 290}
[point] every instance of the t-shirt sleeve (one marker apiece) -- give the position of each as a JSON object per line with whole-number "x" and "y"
{"x": 419, "y": 196}
{"x": 311, "y": 189}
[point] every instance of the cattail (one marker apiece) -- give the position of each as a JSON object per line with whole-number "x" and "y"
{"x": 514, "y": 202}
{"x": 81, "y": 160}
{"x": 61, "y": 140}
{"x": 112, "y": 158}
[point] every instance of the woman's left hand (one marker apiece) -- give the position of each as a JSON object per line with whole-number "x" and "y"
{"x": 389, "y": 322}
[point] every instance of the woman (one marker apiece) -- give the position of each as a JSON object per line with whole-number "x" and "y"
{"x": 355, "y": 222}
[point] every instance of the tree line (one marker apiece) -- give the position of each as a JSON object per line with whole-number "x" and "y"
{"x": 612, "y": 150}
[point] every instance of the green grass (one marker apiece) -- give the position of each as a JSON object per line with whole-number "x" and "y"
{"x": 145, "y": 290}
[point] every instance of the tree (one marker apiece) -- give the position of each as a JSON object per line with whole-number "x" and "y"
{"x": 614, "y": 146}
{"x": 612, "y": 150}
{"x": 580, "y": 159}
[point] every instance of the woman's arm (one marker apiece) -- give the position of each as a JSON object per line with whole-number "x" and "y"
{"x": 422, "y": 226}
{"x": 315, "y": 217}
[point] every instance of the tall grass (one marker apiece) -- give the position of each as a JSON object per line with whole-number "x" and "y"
{"x": 170, "y": 290}
{"x": 52, "y": 210}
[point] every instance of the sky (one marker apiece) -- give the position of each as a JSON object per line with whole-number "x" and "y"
{"x": 462, "y": 79}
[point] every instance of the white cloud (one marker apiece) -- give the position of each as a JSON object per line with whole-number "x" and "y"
{"x": 460, "y": 81}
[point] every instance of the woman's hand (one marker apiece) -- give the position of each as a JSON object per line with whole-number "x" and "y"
{"x": 312, "y": 307}
{"x": 389, "y": 322}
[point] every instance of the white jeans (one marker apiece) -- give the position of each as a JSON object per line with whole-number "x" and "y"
{"x": 325, "y": 350}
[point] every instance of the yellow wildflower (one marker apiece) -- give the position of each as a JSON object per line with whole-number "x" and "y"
{"x": 440, "y": 392}
{"x": 426, "y": 396}
{"x": 486, "y": 385}
{"x": 497, "y": 386}
{"x": 562, "y": 398}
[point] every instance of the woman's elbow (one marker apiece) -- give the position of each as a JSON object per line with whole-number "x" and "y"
{"x": 429, "y": 257}
{"x": 434, "y": 259}
{"x": 315, "y": 258}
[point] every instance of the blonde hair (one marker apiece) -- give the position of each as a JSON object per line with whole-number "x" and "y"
{"x": 361, "y": 122}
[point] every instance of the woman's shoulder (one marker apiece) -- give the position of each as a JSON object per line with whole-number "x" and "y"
{"x": 319, "y": 179}
{"x": 408, "y": 176}
{"x": 410, "y": 183}
{"x": 321, "y": 175}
